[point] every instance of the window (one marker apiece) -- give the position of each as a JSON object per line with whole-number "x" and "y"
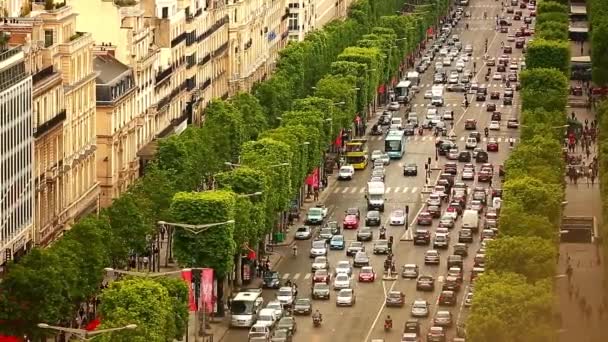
{"x": 48, "y": 38}
{"x": 165, "y": 13}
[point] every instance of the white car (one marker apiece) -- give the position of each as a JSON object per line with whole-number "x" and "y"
{"x": 346, "y": 172}
{"x": 267, "y": 317}
{"x": 511, "y": 37}
{"x": 384, "y": 158}
{"x": 375, "y": 155}
{"x": 303, "y": 233}
{"x": 460, "y": 66}
{"x": 285, "y": 295}
{"x": 494, "y": 125}
{"x": 497, "y": 76}
{"x": 277, "y": 306}
{"x": 346, "y": 297}
{"x": 420, "y": 308}
{"x": 471, "y": 143}
{"x": 438, "y": 66}
{"x": 513, "y": 66}
{"x": 320, "y": 263}
{"x": 397, "y": 218}
{"x": 448, "y": 115}
{"x": 318, "y": 248}
{"x": 468, "y": 174}
{"x": 434, "y": 199}
{"x": 447, "y": 61}
{"x": 394, "y": 106}
{"x": 428, "y": 94}
{"x": 345, "y": 267}
{"x": 341, "y": 281}
{"x": 453, "y": 80}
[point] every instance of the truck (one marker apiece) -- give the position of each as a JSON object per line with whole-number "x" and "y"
{"x": 375, "y": 196}
{"x": 437, "y": 97}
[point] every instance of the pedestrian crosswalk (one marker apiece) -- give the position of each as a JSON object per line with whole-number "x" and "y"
{"x": 432, "y": 138}
{"x": 491, "y": 85}
{"x": 388, "y": 190}
{"x": 296, "y": 276}
{"x": 454, "y": 105}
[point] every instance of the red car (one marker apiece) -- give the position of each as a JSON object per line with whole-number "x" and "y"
{"x": 321, "y": 276}
{"x": 350, "y": 222}
{"x": 425, "y": 219}
{"x": 492, "y": 145}
{"x": 485, "y": 175}
{"x": 367, "y": 274}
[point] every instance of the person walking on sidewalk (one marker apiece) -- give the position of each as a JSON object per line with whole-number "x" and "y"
{"x": 316, "y": 196}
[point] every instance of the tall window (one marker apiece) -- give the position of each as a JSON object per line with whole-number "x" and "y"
{"x": 48, "y": 38}
{"x": 293, "y": 21}
{"x": 165, "y": 13}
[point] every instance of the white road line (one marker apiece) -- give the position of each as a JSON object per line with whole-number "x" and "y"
{"x": 397, "y": 189}
{"x": 405, "y": 190}
{"x": 296, "y": 276}
{"x": 345, "y": 190}
{"x": 387, "y": 190}
{"x": 362, "y": 190}
{"x": 466, "y": 290}
{"x": 336, "y": 190}
{"x": 353, "y": 190}
{"x": 414, "y": 189}
{"x": 307, "y": 276}
{"x": 285, "y": 276}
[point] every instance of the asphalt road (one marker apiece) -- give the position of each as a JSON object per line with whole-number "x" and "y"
{"x": 364, "y": 321}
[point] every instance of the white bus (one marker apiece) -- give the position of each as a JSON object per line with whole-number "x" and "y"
{"x": 245, "y": 308}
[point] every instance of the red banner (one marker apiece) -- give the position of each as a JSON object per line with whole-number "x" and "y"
{"x": 94, "y": 324}
{"x": 206, "y": 291}
{"x": 338, "y": 141}
{"x": 381, "y": 89}
{"x": 313, "y": 178}
{"x": 187, "y": 276}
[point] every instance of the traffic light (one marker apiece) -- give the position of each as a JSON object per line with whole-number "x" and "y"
{"x": 429, "y": 161}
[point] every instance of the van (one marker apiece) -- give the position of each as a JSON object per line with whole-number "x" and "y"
{"x": 470, "y": 220}
{"x": 267, "y": 317}
{"x": 397, "y": 122}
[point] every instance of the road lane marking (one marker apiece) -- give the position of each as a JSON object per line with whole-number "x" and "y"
{"x": 353, "y": 190}
{"x": 296, "y": 276}
{"x": 466, "y": 291}
{"x": 397, "y": 189}
{"x": 387, "y": 190}
{"x": 285, "y": 276}
{"x": 371, "y": 329}
{"x": 405, "y": 190}
{"x": 345, "y": 190}
{"x": 362, "y": 190}
{"x": 307, "y": 276}
{"x": 336, "y": 190}
{"x": 414, "y": 189}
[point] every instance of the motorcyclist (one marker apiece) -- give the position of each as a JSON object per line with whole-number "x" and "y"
{"x": 466, "y": 26}
{"x": 388, "y": 322}
{"x": 382, "y": 233}
{"x": 295, "y": 250}
{"x": 486, "y": 131}
{"x": 316, "y": 316}
{"x": 288, "y": 283}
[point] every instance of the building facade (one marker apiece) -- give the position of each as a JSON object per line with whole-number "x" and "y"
{"x": 16, "y": 155}
{"x": 301, "y": 18}
{"x": 116, "y": 96}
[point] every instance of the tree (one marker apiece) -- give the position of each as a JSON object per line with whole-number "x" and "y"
{"x": 131, "y": 226}
{"x": 139, "y": 301}
{"x": 542, "y": 53}
{"x": 252, "y": 115}
{"x": 505, "y": 305}
{"x": 553, "y": 6}
{"x": 225, "y": 129}
{"x": 214, "y": 246}
{"x": 552, "y": 31}
{"x": 339, "y": 89}
{"x": 532, "y": 257}
{"x": 552, "y": 17}
{"x": 544, "y": 88}
{"x": 599, "y": 53}
{"x": 535, "y": 196}
{"x": 178, "y": 293}
{"x": 517, "y": 221}
{"x": 157, "y": 187}
{"x": 275, "y": 96}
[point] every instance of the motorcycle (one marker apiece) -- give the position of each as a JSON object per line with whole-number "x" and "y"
{"x": 316, "y": 322}
{"x": 376, "y": 130}
{"x": 388, "y": 324}
{"x": 486, "y": 132}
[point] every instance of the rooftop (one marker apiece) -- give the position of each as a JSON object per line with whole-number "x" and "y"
{"x": 109, "y": 68}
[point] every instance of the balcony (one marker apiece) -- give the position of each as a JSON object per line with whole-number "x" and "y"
{"x": 220, "y": 50}
{"x": 49, "y": 124}
{"x": 77, "y": 41}
{"x": 178, "y": 39}
{"x": 216, "y": 26}
{"x": 5, "y": 55}
{"x": 206, "y": 84}
{"x": 205, "y": 59}
{"x": 161, "y": 76}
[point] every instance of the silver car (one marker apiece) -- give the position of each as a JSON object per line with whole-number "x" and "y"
{"x": 320, "y": 263}
{"x": 443, "y": 319}
{"x": 346, "y": 297}
{"x": 303, "y": 233}
{"x": 344, "y": 266}
{"x": 342, "y": 281}
{"x": 318, "y": 248}
{"x": 420, "y": 308}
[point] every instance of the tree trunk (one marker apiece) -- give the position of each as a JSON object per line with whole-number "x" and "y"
{"x": 238, "y": 266}
{"x": 220, "y": 296}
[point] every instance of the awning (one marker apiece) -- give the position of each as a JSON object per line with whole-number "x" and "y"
{"x": 578, "y": 10}
{"x": 580, "y": 59}
{"x": 578, "y": 29}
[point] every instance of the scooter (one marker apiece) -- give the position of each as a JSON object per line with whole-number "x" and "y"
{"x": 316, "y": 322}
{"x": 388, "y": 325}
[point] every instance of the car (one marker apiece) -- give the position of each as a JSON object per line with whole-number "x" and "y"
{"x": 346, "y": 172}
{"x": 259, "y": 332}
{"x": 378, "y": 173}
{"x": 302, "y": 306}
{"x": 433, "y": 199}
{"x": 424, "y": 219}
{"x": 287, "y": 323}
{"x": 507, "y": 49}
{"x": 470, "y": 124}
{"x": 446, "y": 61}
{"x": 325, "y": 234}
{"x": 367, "y": 274}
{"x": 321, "y": 276}
{"x": 491, "y": 61}
{"x": 395, "y": 298}
{"x": 436, "y": 334}
{"x": 318, "y": 248}
{"x": 346, "y": 297}
{"x": 425, "y": 283}
{"x": 497, "y": 76}
{"x": 512, "y": 122}
{"x": 459, "y": 88}
{"x": 465, "y": 235}
{"x": 496, "y": 116}
{"x": 456, "y": 271}
{"x": 441, "y": 241}
{"x": 453, "y": 79}
{"x": 446, "y": 221}
{"x": 492, "y": 145}
{"x": 468, "y": 299}
{"x": 271, "y": 280}
{"x": 393, "y": 106}
{"x": 448, "y": 115}
{"x": 443, "y": 319}
{"x": 361, "y": 259}
{"x": 464, "y": 156}
{"x": 481, "y": 157}
{"x": 422, "y": 237}
{"x": 495, "y": 95}
{"x": 376, "y": 154}
{"x": 342, "y": 281}
{"x": 480, "y": 97}
{"x": 397, "y": 217}
{"x": 409, "y": 271}
{"x": 350, "y": 222}
{"x": 494, "y": 125}
{"x": 410, "y": 169}
{"x": 409, "y": 129}
{"x": 501, "y": 68}
{"x": 316, "y": 215}
{"x": 467, "y": 174}
{"x": 303, "y": 233}
{"x": 453, "y": 154}
{"x": 431, "y": 257}
{"x": 381, "y": 247}
{"x": 345, "y": 267}
{"x": 364, "y": 234}
{"x": 337, "y": 242}
{"x": 471, "y": 143}
{"x": 320, "y": 291}
{"x": 461, "y": 249}
{"x": 278, "y": 335}
{"x": 490, "y": 107}
{"x": 428, "y": 94}
{"x": 354, "y": 247}
{"x": 485, "y": 175}
{"x": 320, "y": 263}
{"x": 420, "y": 308}
{"x": 384, "y": 158}
{"x": 267, "y": 317}
{"x": 447, "y": 298}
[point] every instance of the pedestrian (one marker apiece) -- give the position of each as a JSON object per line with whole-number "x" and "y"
{"x": 316, "y": 197}
{"x": 145, "y": 261}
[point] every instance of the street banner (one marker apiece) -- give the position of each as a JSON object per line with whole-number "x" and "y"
{"x": 207, "y": 289}
{"x": 313, "y": 178}
{"x": 187, "y": 277}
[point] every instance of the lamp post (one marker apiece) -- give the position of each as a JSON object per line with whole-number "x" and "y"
{"x": 270, "y": 166}
{"x": 85, "y": 335}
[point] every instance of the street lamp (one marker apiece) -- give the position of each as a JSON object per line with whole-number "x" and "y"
{"x": 257, "y": 193}
{"x": 398, "y": 39}
{"x": 85, "y": 335}
{"x": 111, "y": 270}
{"x": 195, "y": 228}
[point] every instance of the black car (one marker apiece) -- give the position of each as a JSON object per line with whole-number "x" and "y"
{"x": 409, "y": 129}
{"x": 271, "y": 280}
{"x": 412, "y": 326}
{"x": 445, "y": 147}
{"x": 373, "y": 218}
{"x": 465, "y": 235}
{"x": 480, "y": 97}
{"x": 422, "y": 237}
{"x": 410, "y": 169}
{"x": 447, "y": 298}
{"x": 461, "y": 249}
{"x": 425, "y": 283}
{"x": 482, "y": 157}
{"x": 364, "y": 234}
{"x": 507, "y": 101}
{"x": 464, "y": 156}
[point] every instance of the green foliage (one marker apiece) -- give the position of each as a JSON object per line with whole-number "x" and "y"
{"x": 275, "y": 96}
{"x": 143, "y": 302}
{"x": 157, "y": 187}
{"x": 599, "y": 53}
{"x": 339, "y": 89}
{"x": 555, "y": 17}
{"x": 552, "y": 31}
{"x": 225, "y": 129}
{"x": 178, "y": 293}
{"x": 553, "y": 6}
{"x": 535, "y": 196}
{"x": 507, "y": 308}
{"x": 544, "y": 88}
{"x": 213, "y": 247}
{"x": 532, "y": 257}
{"x": 602, "y": 152}
{"x": 252, "y": 115}
{"x": 548, "y": 54}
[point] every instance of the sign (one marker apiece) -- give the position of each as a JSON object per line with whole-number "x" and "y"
{"x": 207, "y": 289}
{"x": 381, "y": 89}
{"x": 246, "y": 272}
{"x": 313, "y": 178}
{"x": 187, "y": 277}
{"x": 338, "y": 141}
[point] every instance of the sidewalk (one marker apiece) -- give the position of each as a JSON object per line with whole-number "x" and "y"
{"x": 580, "y": 299}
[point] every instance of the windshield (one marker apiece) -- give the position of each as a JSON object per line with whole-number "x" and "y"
{"x": 320, "y": 286}
{"x": 242, "y": 308}
{"x": 318, "y": 244}
{"x": 355, "y": 160}
{"x": 315, "y": 211}
{"x": 392, "y": 145}
{"x": 285, "y": 293}
{"x": 354, "y": 147}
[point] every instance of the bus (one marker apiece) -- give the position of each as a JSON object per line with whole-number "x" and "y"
{"x": 245, "y": 308}
{"x": 394, "y": 144}
{"x": 356, "y": 153}
{"x": 402, "y": 91}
